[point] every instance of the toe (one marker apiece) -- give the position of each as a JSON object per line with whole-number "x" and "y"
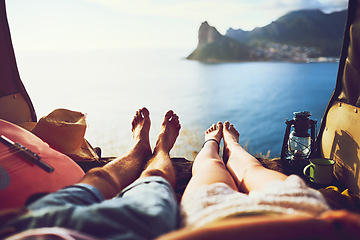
{"x": 137, "y": 115}
{"x": 175, "y": 118}
{"x": 227, "y": 124}
{"x": 168, "y": 115}
{"x": 145, "y": 112}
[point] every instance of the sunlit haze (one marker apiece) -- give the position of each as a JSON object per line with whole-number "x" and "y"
{"x": 94, "y": 24}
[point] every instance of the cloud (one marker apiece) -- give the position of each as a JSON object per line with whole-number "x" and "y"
{"x": 324, "y": 5}
{"x": 198, "y": 7}
{"x": 188, "y": 9}
{"x": 245, "y": 14}
{"x": 333, "y": 5}
{"x": 113, "y": 23}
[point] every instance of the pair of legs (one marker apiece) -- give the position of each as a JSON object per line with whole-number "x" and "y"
{"x": 238, "y": 169}
{"x": 115, "y": 176}
{"x": 143, "y": 210}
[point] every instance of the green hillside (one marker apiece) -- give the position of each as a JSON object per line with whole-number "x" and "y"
{"x": 226, "y": 49}
{"x": 309, "y": 28}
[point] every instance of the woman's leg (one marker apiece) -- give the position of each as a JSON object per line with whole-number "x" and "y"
{"x": 248, "y": 173}
{"x": 208, "y": 167}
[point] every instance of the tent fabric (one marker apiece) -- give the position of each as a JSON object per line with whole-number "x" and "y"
{"x": 339, "y": 135}
{"x": 349, "y": 60}
{"x": 11, "y": 85}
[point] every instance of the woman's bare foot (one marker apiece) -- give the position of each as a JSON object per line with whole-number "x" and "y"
{"x": 214, "y": 132}
{"x": 169, "y": 132}
{"x": 231, "y": 136}
{"x": 141, "y": 128}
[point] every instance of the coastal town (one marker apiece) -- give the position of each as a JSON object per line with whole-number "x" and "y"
{"x": 285, "y": 52}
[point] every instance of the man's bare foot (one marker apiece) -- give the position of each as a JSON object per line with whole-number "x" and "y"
{"x": 214, "y": 132}
{"x": 231, "y": 136}
{"x": 141, "y": 128}
{"x": 119, "y": 173}
{"x": 169, "y": 132}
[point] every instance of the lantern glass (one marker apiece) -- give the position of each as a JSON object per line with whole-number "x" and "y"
{"x": 299, "y": 146}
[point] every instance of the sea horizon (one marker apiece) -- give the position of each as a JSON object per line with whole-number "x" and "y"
{"x": 110, "y": 85}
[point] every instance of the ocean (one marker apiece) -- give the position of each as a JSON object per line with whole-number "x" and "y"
{"x": 110, "y": 85}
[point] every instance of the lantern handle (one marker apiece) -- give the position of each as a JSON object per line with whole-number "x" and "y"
{"x": 286, "y": 138}
{"x": 313, "y": 136}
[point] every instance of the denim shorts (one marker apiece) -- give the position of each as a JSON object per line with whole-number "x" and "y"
{"x": 144, "y": 210}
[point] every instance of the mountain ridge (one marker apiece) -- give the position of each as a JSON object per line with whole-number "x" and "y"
{"x": 296, "y": 36}
{"x": 213, "y": 47}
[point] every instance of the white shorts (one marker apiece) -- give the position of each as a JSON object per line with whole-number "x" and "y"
{"x": 217, "y": 201}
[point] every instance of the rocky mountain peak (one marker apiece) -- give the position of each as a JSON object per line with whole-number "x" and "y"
{"x": 208, "y": 34}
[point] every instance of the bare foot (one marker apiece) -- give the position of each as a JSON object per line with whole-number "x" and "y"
{"x": 214, "y": 132}
{"x": 231, "y": 136}
{"x": 169, "y": 132}
{"x": 122, "y": 171}
{"x": 141, "y": 128}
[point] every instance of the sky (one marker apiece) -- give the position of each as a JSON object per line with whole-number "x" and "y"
{"x": 111, "y": 24}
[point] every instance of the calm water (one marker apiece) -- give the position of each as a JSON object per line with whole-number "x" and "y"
{"x": 111, "y": 85}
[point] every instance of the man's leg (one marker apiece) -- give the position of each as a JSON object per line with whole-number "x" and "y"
{"x": 247, "y": 171}
{"x": 208, "y": 167}
{"x": 160, "y": 164}
{"x": 119, "y": 173}
{"x": 150, "y": 202}
{"x": 143, "y": 210}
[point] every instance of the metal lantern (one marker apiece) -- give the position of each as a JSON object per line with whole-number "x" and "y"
{"x": 299, "y": 143}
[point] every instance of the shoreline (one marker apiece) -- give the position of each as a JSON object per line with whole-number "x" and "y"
{"x": 308, "y": 60}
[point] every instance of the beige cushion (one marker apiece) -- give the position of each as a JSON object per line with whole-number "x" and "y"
{"x": 340, "y": 142}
